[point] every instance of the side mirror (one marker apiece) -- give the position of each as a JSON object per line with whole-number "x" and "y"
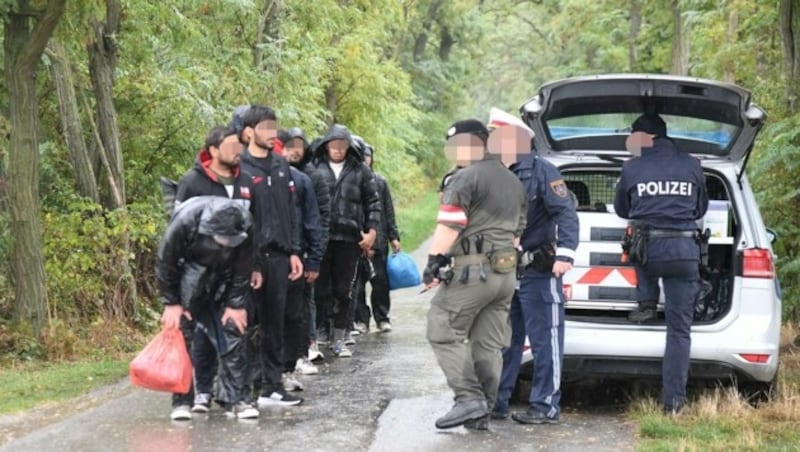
{"x": 772, "y": 236}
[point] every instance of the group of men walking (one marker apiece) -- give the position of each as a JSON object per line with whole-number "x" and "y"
{"x": 263, "y": 260}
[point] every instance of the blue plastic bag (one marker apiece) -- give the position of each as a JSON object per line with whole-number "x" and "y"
{"x": 403, "y": 271}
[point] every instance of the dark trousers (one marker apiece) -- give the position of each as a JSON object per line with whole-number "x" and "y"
{"x": 216, "y": 343}
{"x": 335, "y": 283}
{"x": 295, "y": 339}
{"x": 270, "y": 302}
{"x": 681, "y": 281}
{"x": 381, "y": 303}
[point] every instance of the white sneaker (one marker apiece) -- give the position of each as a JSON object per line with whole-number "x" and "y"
{"x": 181, "y": 413}
{"x": 360, "y": 328}
{"x": 348, "y": 338}
{"x": 291, "y": 383}
{"x": 313, "y": 352}
{"x": 305, "y": 367}
{"x": 202, "y": 403}
{"x": 385, "y": 327}
{"x": 341, "y": 350}
{"x": 242, "y": 410}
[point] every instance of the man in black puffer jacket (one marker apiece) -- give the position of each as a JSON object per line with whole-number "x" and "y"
{"x": 355, "y": 208}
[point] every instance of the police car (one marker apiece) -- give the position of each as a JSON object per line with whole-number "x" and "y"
{"x": 581, "y": 125}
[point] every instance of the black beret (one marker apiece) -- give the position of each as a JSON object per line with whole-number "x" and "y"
{"x": 650, "y": 123}
{"x": 470, "y": 126}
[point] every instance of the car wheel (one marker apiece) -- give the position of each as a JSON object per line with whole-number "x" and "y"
{"x": 758, "y": 393}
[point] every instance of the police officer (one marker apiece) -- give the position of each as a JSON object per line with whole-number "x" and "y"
{"x": 664, "y": 191}
{"x": 548, "y": 249}
{"x": 481, "y": 216}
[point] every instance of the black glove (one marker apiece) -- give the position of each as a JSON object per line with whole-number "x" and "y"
{"x": 435, "y": 262}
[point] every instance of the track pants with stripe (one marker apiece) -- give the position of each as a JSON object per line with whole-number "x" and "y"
{"x": 540, "y": 315}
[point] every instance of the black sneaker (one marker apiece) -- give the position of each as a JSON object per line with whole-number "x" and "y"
{"x": 533, "y": 417}
{"x": 641, "y": 314}
{"x": 278, "y": 398}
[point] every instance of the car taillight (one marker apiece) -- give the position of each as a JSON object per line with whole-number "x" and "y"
{"x": 755, "y": 358}
{"x": 757, "y": 263}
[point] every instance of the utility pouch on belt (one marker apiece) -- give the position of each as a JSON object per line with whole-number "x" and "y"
{"x": 543, "y": 258}
{"x": 638, "y": 244}
{"x": 503, "y": 260}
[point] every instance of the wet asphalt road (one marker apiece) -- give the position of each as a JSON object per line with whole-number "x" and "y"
{"x": 385, "y": 398}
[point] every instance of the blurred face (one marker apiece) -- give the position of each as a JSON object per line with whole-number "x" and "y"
{"x": 228, "y": 153}
{"x": 294, "y": 150}
{"x": 368, "y": 160}
{"x": 463, "y": 149}
{"x": 638, "y": 140}
{"x": 337, "y": 150}
{"x": 264, "y": 134}
{"x": 510, "y": 142}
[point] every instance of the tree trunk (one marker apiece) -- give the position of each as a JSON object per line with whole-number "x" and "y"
{"x": 269, "y": 22}
{"x": 421, "y": 40}
{"x": 790, "y": 36}
{"x": 446, "y": 42}
{"x": 729, "y": 70}
{"x": 680, "y": 48}
{"x": 71, "y": 122}
{"x": 331, "y": 102}
{"x": 103, "y": 51}
{"x": 633, "y": 35}
{"x": 24, "y": 42}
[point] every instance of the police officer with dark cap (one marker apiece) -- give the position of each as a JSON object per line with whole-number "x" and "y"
{"x": 664, "y": 192}
{"x": 473, "y": 254}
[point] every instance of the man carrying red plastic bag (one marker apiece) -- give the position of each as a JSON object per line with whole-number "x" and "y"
{"x": 204, "y": 272}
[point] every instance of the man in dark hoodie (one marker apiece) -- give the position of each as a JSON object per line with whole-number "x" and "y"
{"x": 296, "y": 338}
{"x": 387, "y": 234}
{"x": 278, "y": 241}
{"x": 216, "y": 173}
{"x": 355, "y": 208}
{"x": 297, "y": 152}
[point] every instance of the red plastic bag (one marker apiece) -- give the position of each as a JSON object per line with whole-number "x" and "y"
{"x": 164, "y": 364}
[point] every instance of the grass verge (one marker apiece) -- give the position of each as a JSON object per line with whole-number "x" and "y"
{"x": 720, "y": 419}
{"x": 28, "y": 385}
{"x": 417, "y": 220}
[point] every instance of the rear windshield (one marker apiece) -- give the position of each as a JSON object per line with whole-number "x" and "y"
{"x": 607, "y": 131}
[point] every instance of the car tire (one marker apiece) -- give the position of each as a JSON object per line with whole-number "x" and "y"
{"x": 757, "y": 393}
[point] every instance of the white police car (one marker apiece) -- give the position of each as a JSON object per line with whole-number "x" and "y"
{"x": 581, "y": 125}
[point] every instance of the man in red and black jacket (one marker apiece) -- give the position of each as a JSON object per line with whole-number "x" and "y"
{"x": 216, "y": 173}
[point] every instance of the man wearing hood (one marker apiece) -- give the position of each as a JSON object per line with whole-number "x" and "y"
{"x": 387, "y": 235}
{"x": 216, "y": 173}
{"x": 355, "y": 219}
{"x": 278, "y": 242}
{"x": 203, "y": 270}
{"x": 298, "y": 153}
{"x": 296, "y": 337}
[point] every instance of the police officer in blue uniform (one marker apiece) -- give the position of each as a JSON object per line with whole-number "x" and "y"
{"x": 537, "y": 309}
{"x": 664, "y": 193}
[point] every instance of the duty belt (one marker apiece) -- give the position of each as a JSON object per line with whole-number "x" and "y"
{"x": 668, "y": 233}
{"x": 470, "y": 259}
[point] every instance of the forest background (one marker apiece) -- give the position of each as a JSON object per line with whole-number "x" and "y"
{"x": 101, "y": 97}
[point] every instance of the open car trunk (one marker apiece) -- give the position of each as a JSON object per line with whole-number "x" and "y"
{"x": 602, "y": 288}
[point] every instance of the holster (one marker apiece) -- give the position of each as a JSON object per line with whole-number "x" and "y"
{"x": 541, "y": 259}
{"x": 637, "y": 252}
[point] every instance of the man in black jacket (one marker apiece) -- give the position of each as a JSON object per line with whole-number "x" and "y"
{"x": 203, "y": 270}
{"x": 387, "y": 234}
{"x": 355, "y": 208}
{"x": 297, "y": 152}
{"x": 216, "y": 172}
{"x": 278, "y": 242}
